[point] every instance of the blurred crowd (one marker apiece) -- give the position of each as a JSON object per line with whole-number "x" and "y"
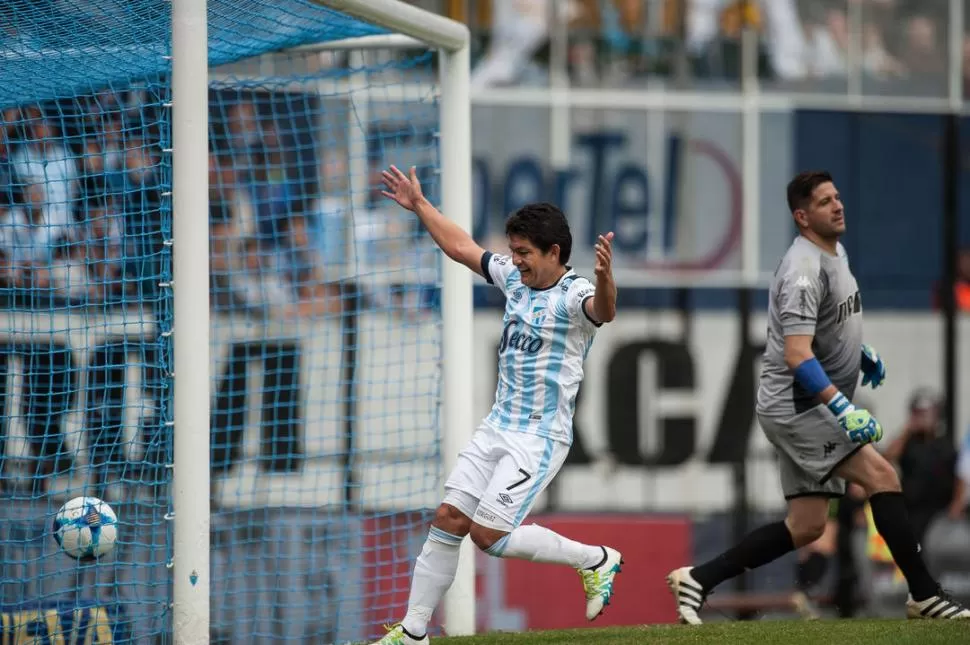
{"x": 82, "y": 208}
{"x": 801, "y": 43}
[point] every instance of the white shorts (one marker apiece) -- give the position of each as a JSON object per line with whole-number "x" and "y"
{"x": 500, "y": 474}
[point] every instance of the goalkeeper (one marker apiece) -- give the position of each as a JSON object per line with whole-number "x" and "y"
{"x": 812, "y": 360}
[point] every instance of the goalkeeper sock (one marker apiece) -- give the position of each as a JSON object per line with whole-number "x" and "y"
{"x": 434, "y": 571}
{"x": 810, "y": 571}
{"x": 759, "y": 547}
{"x": 892, "y": 521}
{"x": 539, "y": 544}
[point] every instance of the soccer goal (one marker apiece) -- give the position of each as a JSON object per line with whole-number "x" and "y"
{"x": 213, "y": 323}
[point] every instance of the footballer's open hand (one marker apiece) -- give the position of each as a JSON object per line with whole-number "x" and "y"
{"x": 604, "y": 256}
{"x": 404, "y": 189}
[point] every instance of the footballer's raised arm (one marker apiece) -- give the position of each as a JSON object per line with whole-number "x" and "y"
{"x": 602, "y": 306}
{"x": 452, "y": 239}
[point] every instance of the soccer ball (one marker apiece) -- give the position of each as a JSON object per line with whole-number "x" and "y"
{"x": 86, "y": 528}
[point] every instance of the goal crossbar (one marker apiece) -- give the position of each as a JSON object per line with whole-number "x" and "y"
{"x": 407, "y": 19}
{"x": 378, "y": 41}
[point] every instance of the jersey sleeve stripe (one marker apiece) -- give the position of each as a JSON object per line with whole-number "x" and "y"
{"x": 582, "y": 306}
{"x": 486, "y": 260}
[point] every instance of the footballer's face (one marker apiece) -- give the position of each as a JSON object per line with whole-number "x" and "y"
{"x": 538, "y": 270}
{"x": 824, "y": 215}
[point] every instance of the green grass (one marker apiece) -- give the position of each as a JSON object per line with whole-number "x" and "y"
{"x": 852, "y": 632}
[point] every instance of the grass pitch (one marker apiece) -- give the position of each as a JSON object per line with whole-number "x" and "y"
{"x": 852, "y": 632}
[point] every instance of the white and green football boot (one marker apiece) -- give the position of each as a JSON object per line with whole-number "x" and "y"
{"x": 598, "y": 582}
{"x": 397, "y": 635}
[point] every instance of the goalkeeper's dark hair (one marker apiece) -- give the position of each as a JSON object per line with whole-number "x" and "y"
{"x": 543, "y": 224}
{"x": 802, "y": 185}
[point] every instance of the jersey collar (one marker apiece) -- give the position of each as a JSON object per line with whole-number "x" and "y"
{"x": 569, "y": 271}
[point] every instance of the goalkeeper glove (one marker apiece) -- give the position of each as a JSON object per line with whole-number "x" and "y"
{"x": 873, "y": 369}
{"x": 859, "y": 425}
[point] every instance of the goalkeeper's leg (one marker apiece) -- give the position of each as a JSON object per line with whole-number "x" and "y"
{"x": 878, "y": 478}
{"x": 804, "y": 524}
{"x": 811, "y": 446}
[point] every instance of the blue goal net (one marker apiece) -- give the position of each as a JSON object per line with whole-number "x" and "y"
{"x": 325, "y": 324}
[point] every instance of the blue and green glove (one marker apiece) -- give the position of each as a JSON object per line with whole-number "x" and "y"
{"x": 861, "y": 426}
{"x": 873, "y": 369}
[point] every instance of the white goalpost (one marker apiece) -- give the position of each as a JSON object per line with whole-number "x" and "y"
{"x": 190, "y": 330}
{"x": 191, "y": 549}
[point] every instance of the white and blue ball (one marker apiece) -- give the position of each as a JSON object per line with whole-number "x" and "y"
{"x": 86, "y": 528}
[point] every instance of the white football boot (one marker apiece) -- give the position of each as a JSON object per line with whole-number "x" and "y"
{"x": 939, "y": 607}
{"x": 598, "y": 582}
{"x": 688, "y": 593}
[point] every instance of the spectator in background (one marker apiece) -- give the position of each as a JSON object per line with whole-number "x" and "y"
{"x": 961, "y": 485}
{"x": 315, "y": 295}
{"x": 962, "y": 286}
{"x": 43, "y": 160}
{"x": 243, "y": 137}
{"x": 222, "y": 225}
{"x": 7, "y": 119}
{"x": 112, "y": 138}
{"x": 926, "y": 460}
{"x": 330, "y": 218}
{"x": 29, "y": 241}
{"x": 273, "y": 193}
{"x": 9, "y": 214}
{"x": 826, "y": 41}
{"x": 519, "y": 29}
{"x": 922, "y": 52}
{"x": 144, "y": 234}
{"x": 99, "y": 170}
{"x": 261, "y": 288}
{"x": 711, "y": 21}
{"x": 103, "y": 247}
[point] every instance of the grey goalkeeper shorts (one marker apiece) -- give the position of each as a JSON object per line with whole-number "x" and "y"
{"x": 811, "y": 445}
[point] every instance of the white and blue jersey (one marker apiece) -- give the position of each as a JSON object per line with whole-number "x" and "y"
{"x": 545, "y": 338}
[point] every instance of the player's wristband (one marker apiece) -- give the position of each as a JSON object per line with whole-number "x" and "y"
{"x": 811, "y": 376}
{"x": 840, "y": 405}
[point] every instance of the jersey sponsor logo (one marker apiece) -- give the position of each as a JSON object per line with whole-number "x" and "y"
{"x": 849, "y": 307}
{"x": 517, "y": 295}
{"x": 828, "y": 448}
{"x": 803, "y": 282}
{"x": 513, "y": 340}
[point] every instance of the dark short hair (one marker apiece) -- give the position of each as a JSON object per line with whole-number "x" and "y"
{"x": 802, "y": 185}
{"x": 543, "y": 224}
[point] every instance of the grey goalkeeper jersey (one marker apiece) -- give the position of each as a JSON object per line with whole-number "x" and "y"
{"x": 812, "y": 293}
